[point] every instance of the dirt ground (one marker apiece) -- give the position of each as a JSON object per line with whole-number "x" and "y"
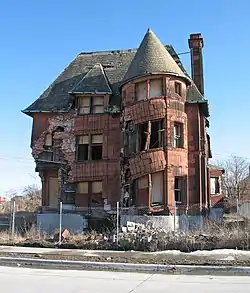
{"x": 137, "y": 258}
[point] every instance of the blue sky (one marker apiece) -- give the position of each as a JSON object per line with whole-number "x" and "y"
{"x": 39, "y": 38}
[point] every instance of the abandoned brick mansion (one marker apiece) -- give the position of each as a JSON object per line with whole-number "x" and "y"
{"x": 128, "y": 126}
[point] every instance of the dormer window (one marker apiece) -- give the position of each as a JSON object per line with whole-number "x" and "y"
{"x": 177, "y": 88}
{"x": 90, "y": 105}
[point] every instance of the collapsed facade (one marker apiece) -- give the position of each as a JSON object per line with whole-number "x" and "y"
{"x": 128, "y": 126}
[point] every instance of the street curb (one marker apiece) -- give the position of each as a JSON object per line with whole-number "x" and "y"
{"x": 126, "y": 267}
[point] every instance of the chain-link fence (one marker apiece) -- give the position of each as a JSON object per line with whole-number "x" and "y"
{"x": 176, "y": 217}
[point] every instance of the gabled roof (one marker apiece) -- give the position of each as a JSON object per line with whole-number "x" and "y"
{"x": 152, "y": 58}
{"x": 215, "y": 168}
{"x": 115, "y": 64}
{"x": 94, "y": 82}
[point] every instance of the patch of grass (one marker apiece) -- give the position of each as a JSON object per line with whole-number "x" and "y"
{"x": 213, "y": 237}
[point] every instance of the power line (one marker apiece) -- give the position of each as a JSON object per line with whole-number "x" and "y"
{"x": 182, "y": 53}
{"x": 30, "y": 159}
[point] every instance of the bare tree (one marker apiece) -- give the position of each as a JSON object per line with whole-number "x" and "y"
{"x": 236, "y": 180}
{"x": 29, "y": 200}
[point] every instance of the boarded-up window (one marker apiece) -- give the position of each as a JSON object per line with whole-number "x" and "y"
{"x": 53, "y": 192}
{"x": 97, "y": 105}
{"x": 97, "y": 187}
{"x": 141, "y": 91}
{"x": 82, "y": 187}
{"x": 48, "y": 140}
{"x": 97, "y": 138}
{"x": 84, "y": 105}
{"x": 90, "y": 105}
{"x": 84, "y": 139}
{"x": 155, "y": 89}
{"x": 143, "y": 182}
{"x": 157, "y": 188}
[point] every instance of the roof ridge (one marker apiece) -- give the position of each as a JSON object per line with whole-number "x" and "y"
{"x": 88, "y": 88}
{"x": 106, "y": 52}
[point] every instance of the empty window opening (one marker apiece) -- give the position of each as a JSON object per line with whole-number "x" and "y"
{"x": 96, "y": 147}
{"x": 178, "y": 135}
{"x": 215, "y": 185}
{"x": 89, "y": 147}
{"x": 142, "y": 131}
{"x": 59, "y": 129}
{"x": 157, "y": 188}
{"x": 150, "y": 136}
{"x": 178, "y": 189}
{"x": 157, "y": 134}
{"x": 68, "y": 198}
{"x": 129, "y": 192}
{"x": 90, "y": 105}
{"x": 177, "y": 88}
{"x": 155, "y": 88}
{"x": 141, "y": 91}
{"x": 83, "y": 148}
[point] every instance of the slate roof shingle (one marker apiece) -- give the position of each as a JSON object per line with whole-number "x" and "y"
{"x": 94, "y": 82}
{"x": 115, "y": 64}
{"x": 152, "y": 58}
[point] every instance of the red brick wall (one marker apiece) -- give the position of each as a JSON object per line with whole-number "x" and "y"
{"x": 192, "y": 111}
{"x": 173, "y": 160}
{"x": 40, "y": 124}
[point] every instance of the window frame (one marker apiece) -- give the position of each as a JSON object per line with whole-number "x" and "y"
{"x": 89, "y": 147}
{"x": 217, "y": 185}
{"x": 91, "y": 106}
{"x": 90, "y": 187}
{"x": 178, "y": 190}
{"x": 178, "y": 135}
{"x": 161, "y": 87}
{"x": 178, "y": 88}
{"x": 136, "y": 90}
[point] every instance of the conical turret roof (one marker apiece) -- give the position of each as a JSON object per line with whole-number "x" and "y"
{"x": 152, "y": 58}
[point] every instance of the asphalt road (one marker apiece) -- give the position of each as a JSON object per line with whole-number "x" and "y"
{"x": 16, "y": 280}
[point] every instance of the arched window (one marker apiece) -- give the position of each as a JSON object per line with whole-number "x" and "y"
{"x": 48, "y": 140}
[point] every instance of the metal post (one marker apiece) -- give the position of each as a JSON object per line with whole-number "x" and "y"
{"x": 13, "y": 218}
{"x": 174, "y": 215}
{"x": 117, "y": 222}
{"x": 60, "y": 223}
{"x": 237, "y": 209}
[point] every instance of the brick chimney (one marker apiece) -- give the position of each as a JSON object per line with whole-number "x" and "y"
{"x": 196, "y": 44}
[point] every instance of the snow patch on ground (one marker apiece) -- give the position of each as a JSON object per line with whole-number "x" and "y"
{"x": 221, "y": 252}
